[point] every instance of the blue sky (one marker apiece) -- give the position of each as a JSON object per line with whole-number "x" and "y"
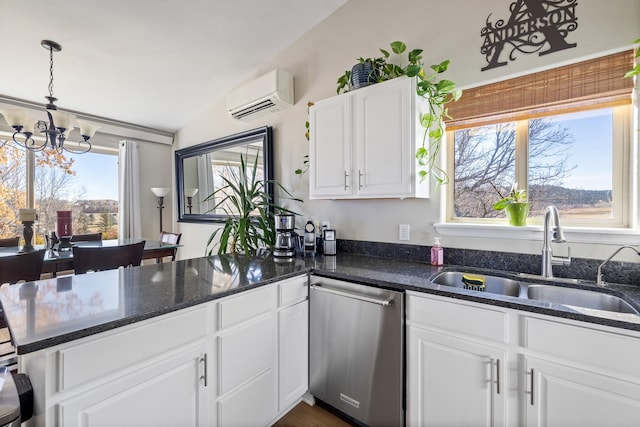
{"x": 97, "y": 174}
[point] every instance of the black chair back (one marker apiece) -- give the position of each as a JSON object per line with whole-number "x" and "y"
{"x": 10, "y": 241}
{"x": 93, "y": 237}
{"x": 25, "y": 266}
{"x": 106, "y": 257}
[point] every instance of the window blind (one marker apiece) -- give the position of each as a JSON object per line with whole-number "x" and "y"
{"x": 598, "y": 82}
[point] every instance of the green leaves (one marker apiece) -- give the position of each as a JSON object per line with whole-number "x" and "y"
{"x": 246, "y": 201}
{"x": 436, "y": 92}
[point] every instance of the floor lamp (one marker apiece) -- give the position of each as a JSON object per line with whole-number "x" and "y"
{"x": 160, "y": 192}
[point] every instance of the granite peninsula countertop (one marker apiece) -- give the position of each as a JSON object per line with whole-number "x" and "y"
{"x": 49, "y": 312}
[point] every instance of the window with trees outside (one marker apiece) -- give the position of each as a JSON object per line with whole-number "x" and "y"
{"x": 566, "y": 146}
{"x": 85, "y": 184}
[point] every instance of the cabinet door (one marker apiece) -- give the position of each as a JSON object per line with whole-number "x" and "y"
{"x": 247, "y": 383}
{"x": 383, "y": 132}
{"x": 453, "y": 382}
{"x": 330, "y": 148}
{"x": 566, "y": 396}
{"x": 171, "y": 392}
{"x": 293, "y": 354}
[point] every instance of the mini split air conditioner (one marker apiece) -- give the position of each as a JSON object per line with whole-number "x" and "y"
{"x": 266, "y": 94}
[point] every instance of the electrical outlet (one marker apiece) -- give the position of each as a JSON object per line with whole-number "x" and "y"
{"x": 404, "y": 232}
{"x": 326, "y": 224}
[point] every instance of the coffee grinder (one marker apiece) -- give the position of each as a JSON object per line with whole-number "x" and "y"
{"x": 285, "y": 241}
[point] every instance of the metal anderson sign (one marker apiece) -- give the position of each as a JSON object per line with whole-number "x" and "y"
{"x": 533, "y": 25}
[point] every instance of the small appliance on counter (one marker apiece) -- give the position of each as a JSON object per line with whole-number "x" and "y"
{"x": 309, "y": 239}
{"x": 329, "y": 241}
{"x": 285, "y": 246}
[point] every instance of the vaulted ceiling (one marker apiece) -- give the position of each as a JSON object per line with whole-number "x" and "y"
{"x": 148, "y": 62}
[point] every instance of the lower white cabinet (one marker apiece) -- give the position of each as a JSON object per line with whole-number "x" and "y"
{"x": 241, "y": 360}
{"x": 170, "y": 392}
{"x": 293, "y": 361}
{"x": 455, "y": 376}
{"x": 562, "y": 395}
{"x": 458, "y": 382}
{"x": 472, "y": 364}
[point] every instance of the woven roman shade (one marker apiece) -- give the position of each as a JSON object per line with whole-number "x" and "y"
{"x": 599, "y": 82}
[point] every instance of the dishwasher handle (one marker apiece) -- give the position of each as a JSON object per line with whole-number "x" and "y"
{"x": 385, "y": 302}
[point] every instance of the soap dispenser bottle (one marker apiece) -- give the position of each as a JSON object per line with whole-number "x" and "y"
{"x": 437, "y": 253}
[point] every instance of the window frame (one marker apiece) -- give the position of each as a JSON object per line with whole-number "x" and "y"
{"x": 622, "y": 183}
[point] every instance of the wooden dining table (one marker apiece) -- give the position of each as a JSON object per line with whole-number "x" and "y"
{"x": 55, "y": 261}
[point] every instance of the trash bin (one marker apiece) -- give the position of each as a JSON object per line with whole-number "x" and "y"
{"x": 16, "y": 398}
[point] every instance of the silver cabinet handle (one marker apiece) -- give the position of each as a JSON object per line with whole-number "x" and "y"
{"x": 497, "y": 376}
{"x": 359, "y": 180}
{"x": 532, "y": 377}
{"x": 383, "y": 302}
{"x": 346, "y": 175}
{"x": 204, "y": 375}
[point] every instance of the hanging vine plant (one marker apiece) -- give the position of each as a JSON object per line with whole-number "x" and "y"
{"x": 436, "y": 92}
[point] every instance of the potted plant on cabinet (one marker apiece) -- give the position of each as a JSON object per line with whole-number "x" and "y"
{"x": 436, "y": 92}
{"x": 246, "y": 201}
{"x": 516, "y": 204}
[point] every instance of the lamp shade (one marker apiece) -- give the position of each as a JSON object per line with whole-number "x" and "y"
{"x": 14, "y": 117}
{"x": 160, "y": 191}
{"x": 190, "y": 192}
{"x": 61, "y": 119}
{"x": 87, "y": 129}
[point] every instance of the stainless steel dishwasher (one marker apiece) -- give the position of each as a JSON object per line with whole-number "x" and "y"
{"x": 356, "y": 350}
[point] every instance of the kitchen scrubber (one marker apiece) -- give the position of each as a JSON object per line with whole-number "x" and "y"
{"x": 474, "y": 283}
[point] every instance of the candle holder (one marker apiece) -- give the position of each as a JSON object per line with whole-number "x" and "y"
{"x": 27, "y": 232}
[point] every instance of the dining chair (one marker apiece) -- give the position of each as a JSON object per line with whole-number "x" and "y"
{"x": 170, "y": 239}
{"x": 10, "y": 241}
{"x": 25, "y": 266}
{"x": 106, "y": 257}
{"x": 92, "y": 237}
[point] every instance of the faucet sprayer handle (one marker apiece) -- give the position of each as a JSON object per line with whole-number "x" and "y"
{"x": 562, "y": 260}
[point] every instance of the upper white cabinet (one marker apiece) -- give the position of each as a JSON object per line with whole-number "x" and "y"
{"x": 363, "y": 143}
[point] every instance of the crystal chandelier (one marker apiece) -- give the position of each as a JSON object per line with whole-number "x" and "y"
{"x": 59, "y": 126}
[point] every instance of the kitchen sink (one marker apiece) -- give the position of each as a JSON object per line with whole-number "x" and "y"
{"x": 493, "y": 284}
{"x": 536, "y": 291}
{"x": 579, "y": 298}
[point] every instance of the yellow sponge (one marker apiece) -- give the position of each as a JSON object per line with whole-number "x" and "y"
{"x": 474, "y": 283}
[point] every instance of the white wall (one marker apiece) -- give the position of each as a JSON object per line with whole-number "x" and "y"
{"x": 445, "y": 30}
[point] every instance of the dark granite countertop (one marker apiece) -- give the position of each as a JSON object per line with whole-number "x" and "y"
{"x": 50, "y": 312}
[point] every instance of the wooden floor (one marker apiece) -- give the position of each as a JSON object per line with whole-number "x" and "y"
{"x": 303, "y": 415}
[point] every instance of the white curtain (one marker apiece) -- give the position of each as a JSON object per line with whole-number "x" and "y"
{"x": 129, "y": 223}
{"x": 206, "y": 185}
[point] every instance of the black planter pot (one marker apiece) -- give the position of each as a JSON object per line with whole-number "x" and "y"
{"x": 363, "y": 74}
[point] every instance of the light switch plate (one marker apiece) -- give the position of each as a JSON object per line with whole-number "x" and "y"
{"x": 404, "y": 232}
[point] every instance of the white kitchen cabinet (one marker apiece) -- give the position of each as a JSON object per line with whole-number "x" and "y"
{"x": 262, "y": 353}
{"x": 552, "y": 371}
{"x": 579, "y": 375}
{"x": 568, "y": 396}
{"x": 293, "y": 360}
{"x": 169, "y": 392}
{"x": 363, "y": 143}
{"x": 454, "y": 379}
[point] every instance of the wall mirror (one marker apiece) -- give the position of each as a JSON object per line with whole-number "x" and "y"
{"x": 199, "y": 169}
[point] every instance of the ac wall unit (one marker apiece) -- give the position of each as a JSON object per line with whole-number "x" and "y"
{"x": 266, "y": 94}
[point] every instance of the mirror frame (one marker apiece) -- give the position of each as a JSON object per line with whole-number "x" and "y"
{"x": 264, "y": 133}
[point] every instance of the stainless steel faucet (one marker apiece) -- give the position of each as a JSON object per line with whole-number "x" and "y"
{"x": 552, "y": 235}
{"x": 599, "y": 277}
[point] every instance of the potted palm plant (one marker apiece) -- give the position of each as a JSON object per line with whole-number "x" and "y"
{"x": 245, "y": 199}
{"x": 515, "y": 203}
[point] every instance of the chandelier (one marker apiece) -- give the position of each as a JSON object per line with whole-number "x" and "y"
{"x": 59, "y": 126}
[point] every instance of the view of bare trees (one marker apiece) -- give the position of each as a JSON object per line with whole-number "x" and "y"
{"x": 54, "y": 191}
{"x": 486, "y": 155}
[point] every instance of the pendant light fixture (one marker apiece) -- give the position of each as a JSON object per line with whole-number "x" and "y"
{"x": 59, "y": 125}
